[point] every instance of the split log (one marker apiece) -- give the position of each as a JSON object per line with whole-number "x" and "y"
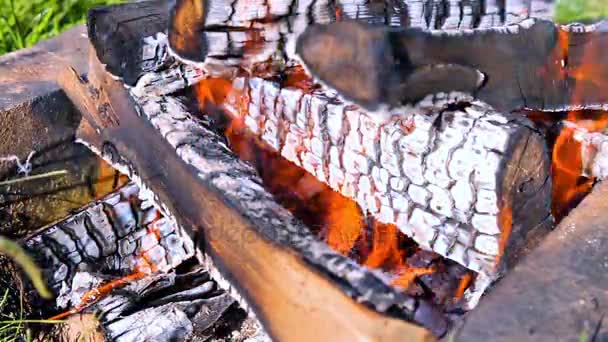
{"x": 290, "y": 280}
{"x": 121, "y": 236}
{"x": 232, "y": 29}
{"x": 468, "y": 183}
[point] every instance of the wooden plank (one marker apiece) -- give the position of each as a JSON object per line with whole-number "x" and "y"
{"x": 558, "y": 292}
{"x": 294, "y": 300}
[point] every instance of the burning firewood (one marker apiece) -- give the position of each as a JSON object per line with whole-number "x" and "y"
{"x": 109, "y": 29}
{"x": 258, "y": 36}
{"x": 534, "y": 65}
{"x": 431, "y": 173}
{"x": 219, "y": 196}
{"x": 122, "y": 242}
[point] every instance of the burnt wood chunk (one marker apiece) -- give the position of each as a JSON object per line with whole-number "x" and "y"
{"x": 108, "y": 236}
{"x": 267, "y": 257}
{"x": 469, "y": 183}
{"x": 534, "y": 64}
{"x": 123, "y": 235}
{"x": 258, "y": 36}
{"x": 197, "y": 27}
{"x": 116, "y": 32}
{"x": 558, "y": 292}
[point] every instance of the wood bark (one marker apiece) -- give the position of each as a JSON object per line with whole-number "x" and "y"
{"x": 447, "y": 178}
{"x": 269, "y": 258}
{"x": 118, "y": 236}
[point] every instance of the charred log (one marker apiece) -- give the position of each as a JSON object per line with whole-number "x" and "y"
{"x": 531, "y": 65}
{"x": 204, "y": 30}
{"x": 116, "y": 32}
{"x": 233, "y": 35}
{"x": 124, "y": 237}
{"x": 213, "y": 194}
{"x": 108, "y": 236}
{"x": 436, "y": 175}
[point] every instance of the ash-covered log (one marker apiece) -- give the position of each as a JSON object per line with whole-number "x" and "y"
{"x": 467, "y": 182}
{"x": 289, "y": 279}
{"x": 117, "y": 257}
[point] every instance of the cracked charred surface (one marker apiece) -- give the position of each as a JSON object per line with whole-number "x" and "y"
{"x": 246, "y": 33}
{"x": 468, "y": 183}
{"x": 111, "y": 241}
{"x": 217, "y": 196}
{"x": 251, "y": 30}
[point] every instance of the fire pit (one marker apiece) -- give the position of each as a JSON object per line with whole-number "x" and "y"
{"x": 339, "y": 180}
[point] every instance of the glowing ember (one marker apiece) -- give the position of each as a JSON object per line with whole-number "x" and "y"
{"x": 144, "y": 267}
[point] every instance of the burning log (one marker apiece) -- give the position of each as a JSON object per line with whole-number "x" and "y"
{"x": 459, "y": 181}
{"x": 268, "y": 25}
{"x": 244, "y": 34}
{"x": 533, "y": 65}
{"x": 124, "y": 236}
{"x": 213, "y": 193}
{"x": 112, "y": 235}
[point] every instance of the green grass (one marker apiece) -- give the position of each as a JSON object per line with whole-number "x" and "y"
{"x": 25, "y": 22}
{"x": 580, "y": 10}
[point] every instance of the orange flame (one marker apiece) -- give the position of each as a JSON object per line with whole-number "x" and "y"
{"x": 337, "y": 220}
{"x": 569, "y": 186}
{"x": 144, "y": 267}
{"x": 96, "y": 294}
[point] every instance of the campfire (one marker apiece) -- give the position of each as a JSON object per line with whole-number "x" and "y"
{"x": 359, "y": 170}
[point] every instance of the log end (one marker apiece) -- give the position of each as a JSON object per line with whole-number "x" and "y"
{"x": 186, "y": 23}
{"x": 526, "y": 187}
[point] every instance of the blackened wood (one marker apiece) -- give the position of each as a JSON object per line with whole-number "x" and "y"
{"x": 255, "y": 34}
{"x": 558, "y": 292}
{"x": 282, "y": 287}
{"x": 195, "y": 25}
{"x": 117, "y": 32}
{"x": 532, "y": 65}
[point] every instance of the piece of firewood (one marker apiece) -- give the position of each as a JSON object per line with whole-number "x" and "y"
{"x": 469, "y": 183}
{"x": 208, "y": 30}
{"x": 532, "y": 65}
{"x": 122, "y": 236}
{"x": 109, "y": 235}
{"x": 117, "y": 31}
{"x": 269, "y": 258}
